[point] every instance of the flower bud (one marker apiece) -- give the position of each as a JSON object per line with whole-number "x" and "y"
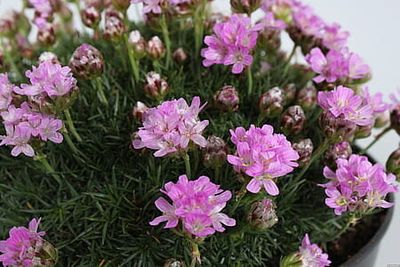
{"x": 121, "y": 5}
{"x": 336, "y": 129}
{"x": 179, "y": 55}
{"x": 340, "y": 150}
{"x": 24, "y": 46}
{"x": 156, "y": 87}
{"x": 114, "y": 26}
{"x": 395, "y": 118}
{"x": 363, "y": 131}
{"x": 382, "y": 119}
{"x": 227, "y": 99}
{"x": 245, "y": 6}
{"x": 48, "y": 56}
{"x": 262, "y": 214}
{"x": 289, "y": 92}
{"x": 305, "y": 149}
{"x": 271, "y": 39}
{"x": 46, "y": 34}
{"x": 91, "y": 17}
{"x": 292, "y": 260}
{"x": 307, "y": 97}
{"x": 155, "y": 48}
{"x": 293, "y": 120}
{"x": 271, "y": 102}
{"x": 393, "y": 163}
{"x": 8, "y": 23}
{"x": 87, "y": 62}
{"x": 138, "y": 110}
{"x": 174, "y": 263}
{"x": 137, "y": 43}
{"x": 215, "y": 152}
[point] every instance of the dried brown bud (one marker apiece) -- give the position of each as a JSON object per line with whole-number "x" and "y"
{"x": 336, "y": 129}
{"x": 155, "y": 48}
{"x": 393, "y": 163}
{"x": 227, "y": 99}
{"x": 307, "y": 97}
{"x": 138, "y": 110}
{"x": 156, "y": 87}
{"x": 91, "y": 17}
{"x": 179, "y": 55}
{"x": 293, "y": 120}
{"x": 340, "y": 150}
{"x": 262, "y": 214}
{"x": 305, "y": 149}
{"x": 271, "y": 102}
{"x": 87, "y": 62}
{"x": 214, "y": 154}
{"x": 245, "y": 6}
{"x": 46, "y": 34}
{"x": 114, "y": 26}
{"x": 137, "y": 43}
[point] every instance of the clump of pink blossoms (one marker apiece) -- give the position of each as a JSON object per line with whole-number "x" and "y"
{"x": 358, "y": 185}
{"x": 231, "y": 43}
{"x": 312, "y": 255}
{"x": 196, "y": 204}
{"x": 262, "y": 155}
{"x": 336, "y": 65}
{"x": 23, "y": 246}
{"x": 170, "y": 127}
{"x": 344, "y": 103}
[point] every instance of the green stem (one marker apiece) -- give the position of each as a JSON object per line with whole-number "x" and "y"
{"x": 317, "y": 154}
{"x": 167, "y": 40}
{"x": 47, "y": 167}
{"x": 239, "y": 197}
{"x": 71, "y": 126}
{"x": 199, "y": 26}
{"x": 100, "y": 91}
{"x": 249, "y": 81}
{"x": 377, "y": 138}
{"x": 11, "y": 61}
{"x": 195, "y": 254}
{"x": 287, "y": 63}
{"x": 186, "y": 158}
{"x": 133, "y": 61}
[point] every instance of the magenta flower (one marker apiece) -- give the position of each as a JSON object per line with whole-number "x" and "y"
{"x": 311, "y": 255}
{"x": 22, "y": 246}
{"x": 333, "y": 38}
{"x": 374, "y": 101}
{"x": 343, "y": 102}
{"x": 170, "y": 127}
{"x": 262, "y": 155}
{"x": 270, "y": 22}
{"x": 6, "y": 90}
{"x": 307, "y": 21}
{"x": 196, "y": 204}
{"x": 358, "y": 184}
{"x": 231, "y": 43}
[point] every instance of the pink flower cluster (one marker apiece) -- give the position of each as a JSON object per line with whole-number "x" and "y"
{"x": 262, "y": 155}
{"x": 312, "y": 255}
{"x": 197, "y": 204}
{"x": 24, "y": 124}
{"x": 336, "y": 65}
{"x": 43, "y": 12}
{"x": 155, "y": 6}
{"x": 171, "y": 126}
{"x": 358, "y": 185}
{"x": 343, "y": 102}
{"x": 231, "y": 43}
{"x": 23, "y": 246}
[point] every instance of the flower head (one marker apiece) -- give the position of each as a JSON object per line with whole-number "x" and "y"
{"x": 311, "y": 255}
{"x": 196, "y": 204}
{"x": 262, "y": 155}
{"x": 170, "y": 127}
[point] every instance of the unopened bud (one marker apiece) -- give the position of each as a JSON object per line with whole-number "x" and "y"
{"x": 46, "y": 34}
{"x": 363, "y": 131}
{"x": 87, "y": 62}
{"x": 289, "y": 92}
{"x": 336, "y": 129}
{"x": 114, "y": 26}
{"x": 393, "y": 163}
{"x": 382, "y": 119}
{"x": 156, "y": 87}
{"x": 262, "y": 214}
{"x": 137, "y": 43}
{"x": 337, "y": 151}
{"x": 293, "y": 120}
{"x": 155, "y": 48}
{"x": 307, "y": 97}
{"x": 179, "y": 55}
{"x": 215, "y": 152}
{"x": 292, "y": 260}
{"x": 395, "y": 118}
{"x": 8, "y": 23}
{"x": 48, "y": 56}
{"x": 271, "y": 102}
{"x": 305, "y": 149}
{"x": 121, "y": 5}
{"x": 245, "y": 6}
{"x": 47, "y": 255}
{"x": 91, "y": 17}
{"x": 24, "y": 46}
{"x": 138, "y": 110}
{"x": 227, "y": 99}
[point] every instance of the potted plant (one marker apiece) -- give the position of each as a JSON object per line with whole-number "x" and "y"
{"x": 188, "y": 138}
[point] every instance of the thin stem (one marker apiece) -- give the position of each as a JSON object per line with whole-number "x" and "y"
{"x": 47, "y": 167}
{"x": 196, "y": 257}
{"x": 249, "y": 81}
{"x": 186, "y": 158}
{"x": 377, "y": 138}
{"x": 11, "y": 60}
{"x": 167, "y": 40}
{"x": 71, "y": 126}
{"x": 100, "y": 91}
{"x": 239, "y": 197}
{"x": 199, "y": 26}
{"x": 287, "y": 63}
{"x": 317, "y": 154}
{"x": 133, "y": 61}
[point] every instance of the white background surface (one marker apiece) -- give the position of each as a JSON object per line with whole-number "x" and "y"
{"x": 375, "y": 35}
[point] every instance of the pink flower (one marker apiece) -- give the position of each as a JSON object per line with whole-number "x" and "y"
{"x": 358, "y": 185}
{"x": 171, "y": 126}
{"x": 343, "y": 102}
{"x": 262, "y": 155}
{"x": 374, "y": 101}
{"x": 333, "y": 38}
{"x": 22, "y": 246}
{"x": 6, "y": 90}
{"x": 196, "y": 204}
{"x": 311, "y": 255}
{"x": 270, "y": 22}
{"x": 231, "y": 43}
